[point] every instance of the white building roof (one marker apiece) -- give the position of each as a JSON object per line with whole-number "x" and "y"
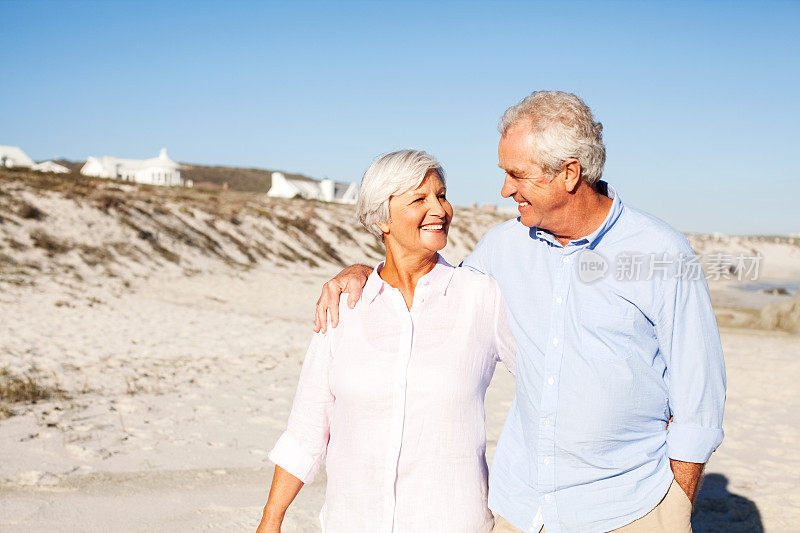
{"x": 110, "y": 163}
{"x": 162, "y": 160}
{"x": 13, "y": 156}
{"x": 345, "y": 192}
{"x": 309, "y": 189}
{"x": 325, "y": 190}
{"x": 159, "y": 170}
{"x": 50, "y": 166}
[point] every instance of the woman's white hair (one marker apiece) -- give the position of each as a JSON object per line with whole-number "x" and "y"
{"x": 563, "y": 128}
{"x": 389, "y": 175}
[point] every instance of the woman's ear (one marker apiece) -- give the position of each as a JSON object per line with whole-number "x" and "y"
{"x": 384, "y": 226}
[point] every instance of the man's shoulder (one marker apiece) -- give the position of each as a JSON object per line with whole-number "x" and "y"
{"x": 496, "y": 239}
{"x": 505, "y": 230}
{"x": 649, "y": 229}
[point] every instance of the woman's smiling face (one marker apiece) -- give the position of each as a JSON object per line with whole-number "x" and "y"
{"x": 420, "y": 218}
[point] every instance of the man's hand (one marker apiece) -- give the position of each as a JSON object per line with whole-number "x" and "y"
{"x": 350, "y": 280}
{"x": 688, "y": 476}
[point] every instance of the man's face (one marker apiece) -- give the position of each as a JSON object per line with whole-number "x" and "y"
{"x": 538, "y": 195}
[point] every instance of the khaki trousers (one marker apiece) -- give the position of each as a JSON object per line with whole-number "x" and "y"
{"x": 672, "y": 515}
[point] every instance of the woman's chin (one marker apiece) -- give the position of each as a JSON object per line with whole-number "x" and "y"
{"x": 435, "y": 243}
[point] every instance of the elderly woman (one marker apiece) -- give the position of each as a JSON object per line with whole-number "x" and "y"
{"x": 393, "y": 397}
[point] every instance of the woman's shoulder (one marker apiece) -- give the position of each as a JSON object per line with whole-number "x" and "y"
{"x": 345, "y": 319}
{"x": 472, "y": 280}
{"x": 477, "y": 287}
{"x": 346, "y": 314}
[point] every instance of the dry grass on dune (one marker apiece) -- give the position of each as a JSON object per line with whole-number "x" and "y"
{"x": 56, "y": 223}
{"x": 24, "y": 389}
{"x": 108, "y": 222}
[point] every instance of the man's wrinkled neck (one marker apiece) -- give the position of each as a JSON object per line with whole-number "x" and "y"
{"x": 583, "y": 215}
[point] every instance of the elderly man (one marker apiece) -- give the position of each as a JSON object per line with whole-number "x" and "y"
{"x": 620, "y": 382}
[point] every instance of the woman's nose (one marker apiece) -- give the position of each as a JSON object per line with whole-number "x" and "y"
{"x": 436, "y": 207}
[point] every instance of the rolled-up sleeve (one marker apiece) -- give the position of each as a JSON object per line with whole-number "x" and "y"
{"x": 689, "y": 341}
{"x": 301, "y": 449}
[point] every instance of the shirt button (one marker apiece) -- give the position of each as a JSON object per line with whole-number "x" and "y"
{"x": 565, "y": 259}
{"x": 555, "y": 341}
{"x": 546, "y": 421}
{"x": 550, "y": 380}
{"x": 559, "y": 299}
{"x": 546, "y": 460}
{"x": 547, "y": 497}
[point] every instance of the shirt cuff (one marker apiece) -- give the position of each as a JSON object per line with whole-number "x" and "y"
{"x": 290, "y": 455}
{"x": 692, "y": 444}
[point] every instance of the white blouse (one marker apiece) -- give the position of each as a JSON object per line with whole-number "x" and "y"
{"x": 394, "y": 398}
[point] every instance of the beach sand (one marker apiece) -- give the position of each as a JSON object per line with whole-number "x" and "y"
{"x": 178, "y": 374}
{"x": 188, "y": 383}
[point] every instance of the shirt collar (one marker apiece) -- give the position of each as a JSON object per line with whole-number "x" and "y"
{"x": 593, "y": 238}
{"x": 438, "y": 279}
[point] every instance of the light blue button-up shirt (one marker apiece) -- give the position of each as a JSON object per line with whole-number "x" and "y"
{"x": 616, "y": 334}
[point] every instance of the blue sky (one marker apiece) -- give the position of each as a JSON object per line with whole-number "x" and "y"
{"x": 699, "y": 101}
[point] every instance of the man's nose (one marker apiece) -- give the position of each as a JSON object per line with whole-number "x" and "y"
{"x": 508, "y": 188}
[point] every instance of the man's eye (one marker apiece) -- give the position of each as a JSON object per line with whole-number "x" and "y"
{"x": 443, "y": 196}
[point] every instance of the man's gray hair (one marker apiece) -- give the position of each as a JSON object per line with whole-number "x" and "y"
{"x": 563, "y": 128}
{"x": 391, "y": 174}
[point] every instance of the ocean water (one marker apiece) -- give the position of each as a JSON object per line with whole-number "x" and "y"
{"x": 762, "y": 286}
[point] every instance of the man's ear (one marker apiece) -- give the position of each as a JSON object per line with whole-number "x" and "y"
{"x": 571, "y": 174}
{"x": 383, "y": 226}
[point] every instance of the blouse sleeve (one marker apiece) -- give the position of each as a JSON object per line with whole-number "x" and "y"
{"x": 301, "y": 449}
{"x": 505, "y": 345}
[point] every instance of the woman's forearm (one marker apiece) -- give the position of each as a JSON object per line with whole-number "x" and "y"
{"x": 284, "y": 488}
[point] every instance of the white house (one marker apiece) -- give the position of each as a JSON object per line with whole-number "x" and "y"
{"x": 325, "y": 190}
{"x": 159, "y": 170}
{"x": 50, "y": 166}
{"x": 12, "y": 156}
